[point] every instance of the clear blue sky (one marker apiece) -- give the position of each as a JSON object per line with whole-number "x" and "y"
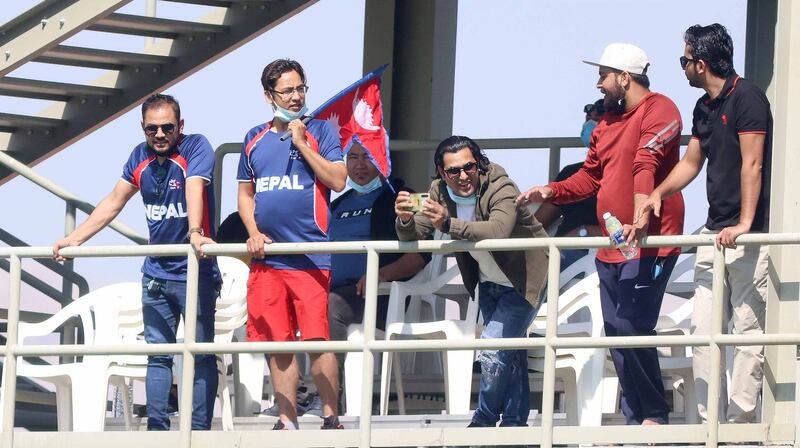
{"x": 518, "y": 74}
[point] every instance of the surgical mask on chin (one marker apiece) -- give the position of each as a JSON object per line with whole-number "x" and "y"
{"x": 461, "y": 200}
{"x": 286, "y": 115}
{"x": 369, "y": 187}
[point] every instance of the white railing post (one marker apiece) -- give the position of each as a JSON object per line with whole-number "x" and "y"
{"x": 10, "y": 367}
{"x": 189, "y": 333}
{"x": 68, "y": 332}
{"x": 368, "y": 366}
{"x": 549, "y": 386}
{"x": 714, "y": 384}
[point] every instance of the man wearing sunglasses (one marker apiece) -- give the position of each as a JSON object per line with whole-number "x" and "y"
{"x": 284, "y": 194}
{"x": 173, "y": 172}
{"x": 732, "y": 128}
{"x": 473, "y": 199}
{"x": 634, "y": 147}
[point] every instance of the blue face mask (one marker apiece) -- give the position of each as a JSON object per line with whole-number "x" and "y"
{"x": 369, "y": 187}
{"x": 586, "y": 131}
{"x": 461, "y": 200}
{"x": 286, "y": 115}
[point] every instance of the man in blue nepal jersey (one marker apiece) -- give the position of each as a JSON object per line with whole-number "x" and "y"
{"x": 173, "y": 172}
{"x": 284, "y": 194}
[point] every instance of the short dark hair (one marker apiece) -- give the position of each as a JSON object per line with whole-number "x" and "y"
{"x": 642, "y": 79}
{"x": 713, "y": 45}
{"x": 456, "y": 143}
{"x": 276, "y": 68}
{"x": 597, "y": 106}
{"x": 159, "y": 99}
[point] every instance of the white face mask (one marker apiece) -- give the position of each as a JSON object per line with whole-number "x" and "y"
{"x": 286, "y": 115}
{"x": 461, "y": 200}
{"x": 369, "y": 187}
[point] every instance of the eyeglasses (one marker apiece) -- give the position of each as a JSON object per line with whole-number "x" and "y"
{"x": 455, "y": 171}
{"x": 685, "y": 61}
{"x": 161, "y": 175}
{"x": 286, "y": 94}
{"x": 152, "y": 129}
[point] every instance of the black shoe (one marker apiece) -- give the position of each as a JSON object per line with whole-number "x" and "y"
{"x": 279, "y": 426}
{"x": 476, "y": 425}
{"x": 331, "y": 422}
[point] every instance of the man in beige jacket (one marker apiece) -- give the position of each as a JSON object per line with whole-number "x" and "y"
{"x": 473, "y": 199}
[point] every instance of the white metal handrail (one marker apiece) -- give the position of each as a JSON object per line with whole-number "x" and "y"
{"x": 544, "y": 435}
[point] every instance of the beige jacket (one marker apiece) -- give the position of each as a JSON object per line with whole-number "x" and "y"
{"x": 496, "y": 216}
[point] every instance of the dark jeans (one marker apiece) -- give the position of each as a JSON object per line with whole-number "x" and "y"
{"x": 163, "y": 303}
{"x": 504, "y": 387}
{"x": 630, "y": 295}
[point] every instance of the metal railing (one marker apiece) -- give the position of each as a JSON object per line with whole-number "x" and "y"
{"x": 545, "y": 435}
{"x": 554, "y": 144}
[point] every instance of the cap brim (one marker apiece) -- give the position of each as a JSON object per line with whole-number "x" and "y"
{"x": 596, "y": 64}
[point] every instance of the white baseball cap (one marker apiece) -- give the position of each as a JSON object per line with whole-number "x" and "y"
{"x": 626, "y": 57}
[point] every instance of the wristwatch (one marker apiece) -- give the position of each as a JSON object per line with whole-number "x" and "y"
{"x": 583, "y": 231}
{"x": 195, "y": 230}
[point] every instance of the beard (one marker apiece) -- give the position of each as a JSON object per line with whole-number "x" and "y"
{"x": 614, "y": 105}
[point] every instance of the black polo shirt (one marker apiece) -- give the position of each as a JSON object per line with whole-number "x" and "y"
{"x": 741, "y": 108}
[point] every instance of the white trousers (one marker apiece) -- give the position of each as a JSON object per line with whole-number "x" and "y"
{"x": 744, "y": 299}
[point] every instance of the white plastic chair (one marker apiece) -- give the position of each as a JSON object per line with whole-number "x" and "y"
{"x": 457, "y": 364}
{"x": 581, "y": 369}
{"x": 397, "y": 291}
{"x": 82, "y": 386}
{"x": 231, "y": 314}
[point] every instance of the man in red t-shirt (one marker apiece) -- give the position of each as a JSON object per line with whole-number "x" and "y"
{"x": 632, "y": 149}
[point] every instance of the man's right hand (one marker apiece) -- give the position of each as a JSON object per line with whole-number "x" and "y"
{"x": 534, "y": 195}
{"x": 401, "y": 205}
{"x": 255, "y": 245}
{"x": 60, "y": 244}
{"x": 651, "y": 204}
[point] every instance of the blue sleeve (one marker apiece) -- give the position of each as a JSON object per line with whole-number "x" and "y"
{"x": 245, "y": 171}
{"x": 330, "y": 146}
{"x": 129, "y": 168}
{"x": 200, "y": 158}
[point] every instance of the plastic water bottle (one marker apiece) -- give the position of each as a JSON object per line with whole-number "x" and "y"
{"x": 614, "y": 228}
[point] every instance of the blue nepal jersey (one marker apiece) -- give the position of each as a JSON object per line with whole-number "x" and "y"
{"x": 163, "y": 189}
{"x": 352, "y": 221}
{"x": 292, "y": 206}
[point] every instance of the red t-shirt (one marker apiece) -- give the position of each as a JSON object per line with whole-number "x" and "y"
{"x": 630, "y": 153}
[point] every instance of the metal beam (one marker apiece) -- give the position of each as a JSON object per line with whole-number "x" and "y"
{"x": 243, "y": 20}
{"x": 49, "y": 90}
{"x": 102, "y": 59}
{"x": 781, "y": 19}
{"x": 152, "y": 26}
{"x": 14, "y": 122}
{"x": 45, "y": 26}
{"x": 422, "y": 98}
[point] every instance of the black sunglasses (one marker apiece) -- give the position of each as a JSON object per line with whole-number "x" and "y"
{"x": 685, "y": 61}
{"x": 455, "y": 171}
{"x": 152, "y": 129}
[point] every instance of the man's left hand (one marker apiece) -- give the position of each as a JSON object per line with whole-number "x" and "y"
{"x": 635, "y": 232}
{"x": 436, "y": 212}
{"x": 361, "y": 286}
{"x": 197, "y": 241}
{"x": 298, "y": 133}
{"x": 727, "y": 236}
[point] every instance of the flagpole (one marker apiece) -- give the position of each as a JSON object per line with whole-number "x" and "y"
{"x": 371, "y": 75}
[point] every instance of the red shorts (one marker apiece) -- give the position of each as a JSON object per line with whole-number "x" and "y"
{"x": 282, "y": 301}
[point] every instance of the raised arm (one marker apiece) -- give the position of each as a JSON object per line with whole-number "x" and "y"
{"x": 104, "y": 213}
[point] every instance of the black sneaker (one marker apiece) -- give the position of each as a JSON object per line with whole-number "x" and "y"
{"x": 273, "y": 411}
{"x": 331, "y": 422}
{"x": 279, "y": 426}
